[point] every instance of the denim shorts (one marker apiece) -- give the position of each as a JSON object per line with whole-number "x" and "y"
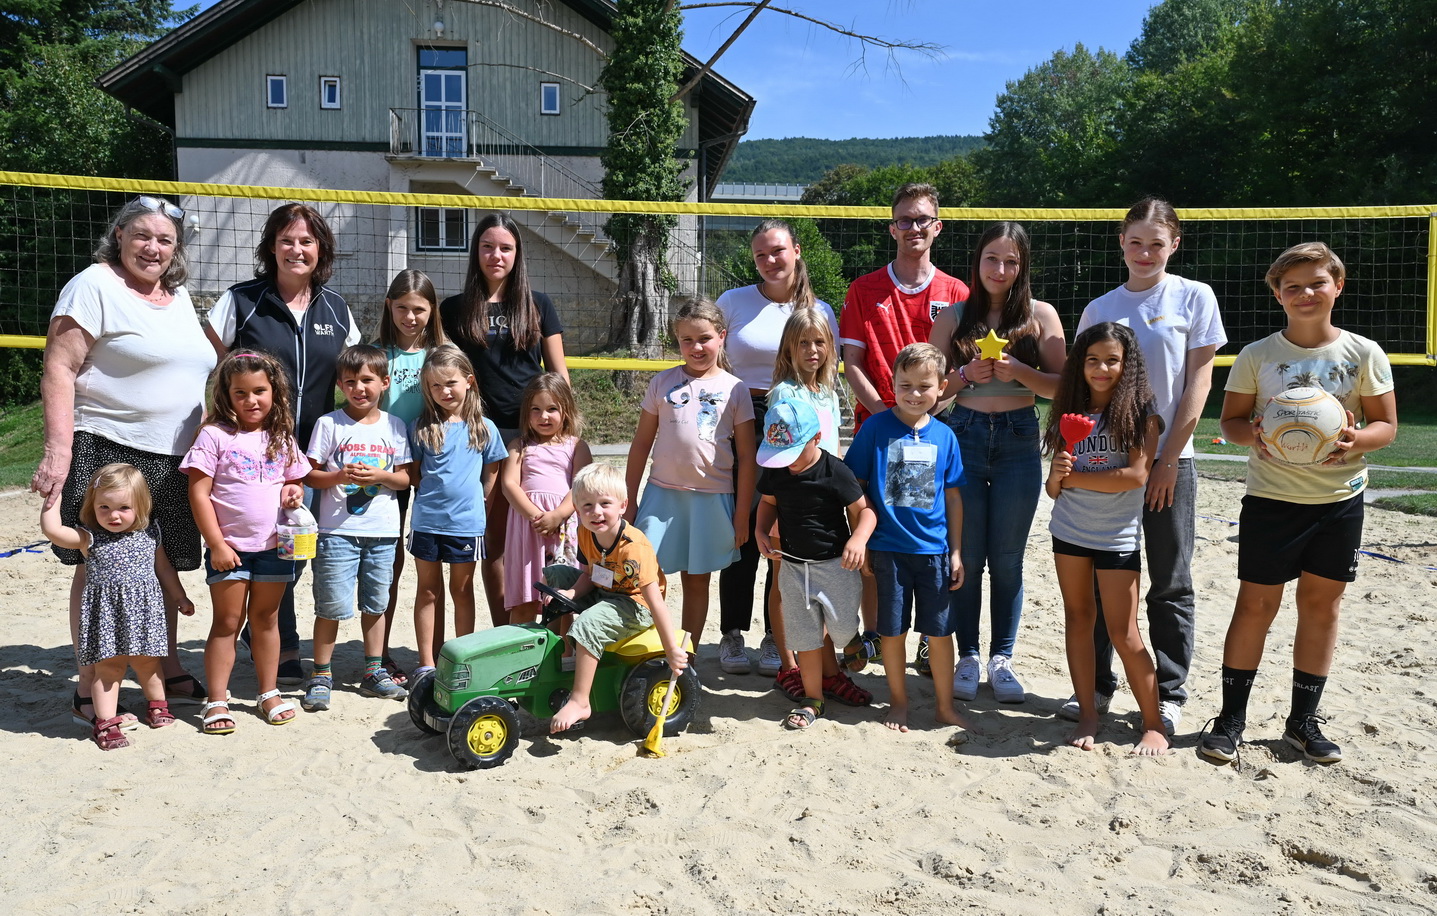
{"x": 260, "y": 566}
{"x": 342, "y": 561}
{"x": 912, "y": 588}
{"x": 445, "y": 548}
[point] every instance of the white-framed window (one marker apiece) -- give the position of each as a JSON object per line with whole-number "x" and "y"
{"x": 329, "y": 92}
{"x": 276, "y": 91}
{"x": 549, "y": 98}
{"x": 441, "y": 229}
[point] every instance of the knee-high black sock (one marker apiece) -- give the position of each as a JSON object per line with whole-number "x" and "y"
{"x": 1236, "y": 687}
{"x": 1306, "y": 694}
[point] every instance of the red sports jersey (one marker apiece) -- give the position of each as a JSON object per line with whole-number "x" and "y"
{"x": 883, "y": 317}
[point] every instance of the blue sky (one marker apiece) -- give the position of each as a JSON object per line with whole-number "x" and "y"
{"x": 809, "y": 84}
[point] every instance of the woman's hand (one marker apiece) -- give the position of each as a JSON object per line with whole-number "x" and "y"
{"x": 49, "y": 478}
{"x": 978, "y": 371}
{"x": 1006, "y": 369}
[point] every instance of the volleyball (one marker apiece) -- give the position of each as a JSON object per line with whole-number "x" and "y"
{"x": 1301, "y": 425}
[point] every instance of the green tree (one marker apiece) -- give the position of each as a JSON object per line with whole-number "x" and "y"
{"x": 1054, "y": 139}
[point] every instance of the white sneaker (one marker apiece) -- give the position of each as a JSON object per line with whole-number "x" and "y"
{"x": 768, "y": 660}
{"x": 966, "y": 677}
{"x": 732, "y": 657}
{"x": 1070, "y": 709}
{"x": 1005, "y": 684}
{"x": 1172, "y": 716}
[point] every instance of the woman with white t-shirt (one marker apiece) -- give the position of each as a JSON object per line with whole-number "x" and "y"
{"x": 124, "y": 381}
{"x": 756, "y": 316}
{"x": 1179, "y": 331}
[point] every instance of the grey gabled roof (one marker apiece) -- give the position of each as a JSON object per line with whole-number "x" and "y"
{"x": 149, "y": 80}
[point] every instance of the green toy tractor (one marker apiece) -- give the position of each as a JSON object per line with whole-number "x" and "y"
{"x": 483, "y": 679}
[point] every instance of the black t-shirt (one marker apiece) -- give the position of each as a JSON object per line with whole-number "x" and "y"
{"x": 812, "y": 506}
{"x": 501, "y": 369}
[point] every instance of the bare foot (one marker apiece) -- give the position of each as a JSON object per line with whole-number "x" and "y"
{"x": 572, "y": 713}
{"x": 953, "y": 717}
{"x": 1153, "y": 744}
{"x": 897, "y": 718}
{"x": 1085, "y": 734}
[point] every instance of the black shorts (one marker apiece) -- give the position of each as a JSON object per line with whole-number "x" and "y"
{"x": 1289, "y": 539}
{"x": 1126, "y": 560}
{"x": 169, "y": 492}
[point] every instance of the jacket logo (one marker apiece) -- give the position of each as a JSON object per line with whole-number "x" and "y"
{"x": 325, "y": 330}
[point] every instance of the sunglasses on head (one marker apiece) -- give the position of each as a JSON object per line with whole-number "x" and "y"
{"x": 162, "y": 205}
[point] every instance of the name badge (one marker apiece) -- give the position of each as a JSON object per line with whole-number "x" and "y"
{"x": 920, "y": 453}
{"x": 602, "y": 576}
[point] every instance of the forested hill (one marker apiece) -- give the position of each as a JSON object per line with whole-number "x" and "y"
{"x": 803, "y": 160}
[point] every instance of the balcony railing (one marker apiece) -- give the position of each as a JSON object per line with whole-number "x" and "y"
{"x": 432, "y": 133}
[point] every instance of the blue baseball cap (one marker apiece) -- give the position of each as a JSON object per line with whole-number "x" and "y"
{"x": 787, "y": 428}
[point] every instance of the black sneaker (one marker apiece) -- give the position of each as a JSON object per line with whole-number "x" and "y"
{"x": 1305, "y": 736}
{"x": 1220, "y": 738}
{"x": 920, "y": 659}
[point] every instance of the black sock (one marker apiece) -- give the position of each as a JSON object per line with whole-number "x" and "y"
{"x": 1236, "y": 687}
{"x": 1306, "y": 694}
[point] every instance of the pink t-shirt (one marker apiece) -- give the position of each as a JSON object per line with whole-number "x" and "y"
{"x": 696, "y": 421}
{"x": 247, "y": 486}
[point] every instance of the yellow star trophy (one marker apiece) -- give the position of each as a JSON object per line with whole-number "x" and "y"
{"x": 991, "y": 347}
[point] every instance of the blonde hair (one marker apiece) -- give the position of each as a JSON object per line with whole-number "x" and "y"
{"x": 429, "y": 428}
{"x": 118, "y": 476}
{"x": 599, "y": 479}
{"x": 920, "y": 356}
{"x": 786, "y": 366}
{"x": 1306, "y": 253}
{"x": 700, "y": 309}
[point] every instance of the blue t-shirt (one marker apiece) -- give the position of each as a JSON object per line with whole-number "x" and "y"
{"x": 450, "y": 496}
{"x": 905, "y": 473}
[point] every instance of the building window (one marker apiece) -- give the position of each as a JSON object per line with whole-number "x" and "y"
{"x": 549, "y": 98}
{"x": 329, "y": 92}
{"x": 276, "y": 92}
{"x": 442, "y": 229}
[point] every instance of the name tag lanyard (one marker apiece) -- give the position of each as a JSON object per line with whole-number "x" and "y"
{"x": 606, "y": 580}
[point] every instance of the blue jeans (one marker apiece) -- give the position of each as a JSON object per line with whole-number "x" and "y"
{"x": 1002, "y": 476}
{"x": 340, "y": 562}
{"x": 1168, "y": 541}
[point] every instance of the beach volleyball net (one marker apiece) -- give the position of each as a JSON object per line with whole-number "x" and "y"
{"x": 51, "y": 224}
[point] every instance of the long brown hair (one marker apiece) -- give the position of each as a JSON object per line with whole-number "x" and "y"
{"x": 1017, "y": 323}
{"x": 803, "y": 297}
{"x": 429, "y": 428}
{"x": 405, "y": 282}
{"x": 516, "y": 306}
{"x": 1156, "y": 210}
{"x": 280, "y": 219}
{"x": 552, "y": 384}
{"x": 1125, "y": 417}
{"x": 278, "y": 425}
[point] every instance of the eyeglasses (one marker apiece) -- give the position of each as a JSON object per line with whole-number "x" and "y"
{"x": 162, "y": 205}
{"x": 920, "y": 223}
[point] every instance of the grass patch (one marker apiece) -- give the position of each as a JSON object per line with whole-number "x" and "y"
{"x": 22, "y": 438}
{"x": 610, "y": 415}
{"x": 1416, "y": 504}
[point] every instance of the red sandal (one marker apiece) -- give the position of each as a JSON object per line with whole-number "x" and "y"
{"x": 790, "y": 683}
{"x": 840, "y": 687}
{"x": 159, "y": 715}
{"x": 107, "y": 734}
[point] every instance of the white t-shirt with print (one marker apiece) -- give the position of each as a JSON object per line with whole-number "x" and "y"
{"x": 349, "y": 509}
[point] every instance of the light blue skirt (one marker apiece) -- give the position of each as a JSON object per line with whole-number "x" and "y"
{"x": 691, "y": 532}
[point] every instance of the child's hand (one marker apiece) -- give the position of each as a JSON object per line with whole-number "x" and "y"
{"x": 955, "y": 567}
{"x": 1342, "y": 448}
{"x": 978, "y": 371}
{"x": 362, "y": 475}
{"x": 678, "y": 659}
{"x": 1257, "y": 442}
{"x": 292, "y": 496}
{"x": 223, "y": 559}
{"x": 855, "y": 555}
{"x": 740, "y": 530}
{"x": 1062, "y": 465}
{"x": 765, "y": 546}
{"x": 186, "y": 606}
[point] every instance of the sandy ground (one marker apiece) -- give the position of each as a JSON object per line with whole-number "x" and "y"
{"x": 353, "y": 811}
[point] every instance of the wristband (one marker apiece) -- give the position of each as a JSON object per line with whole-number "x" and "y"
{"x": 964, "y": 376}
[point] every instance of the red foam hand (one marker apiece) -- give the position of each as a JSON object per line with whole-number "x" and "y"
{"x": 1075, "y": 427}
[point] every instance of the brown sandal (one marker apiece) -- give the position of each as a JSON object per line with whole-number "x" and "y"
{"x": 159, "y": 715}
{"x": 108, "y": 736}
